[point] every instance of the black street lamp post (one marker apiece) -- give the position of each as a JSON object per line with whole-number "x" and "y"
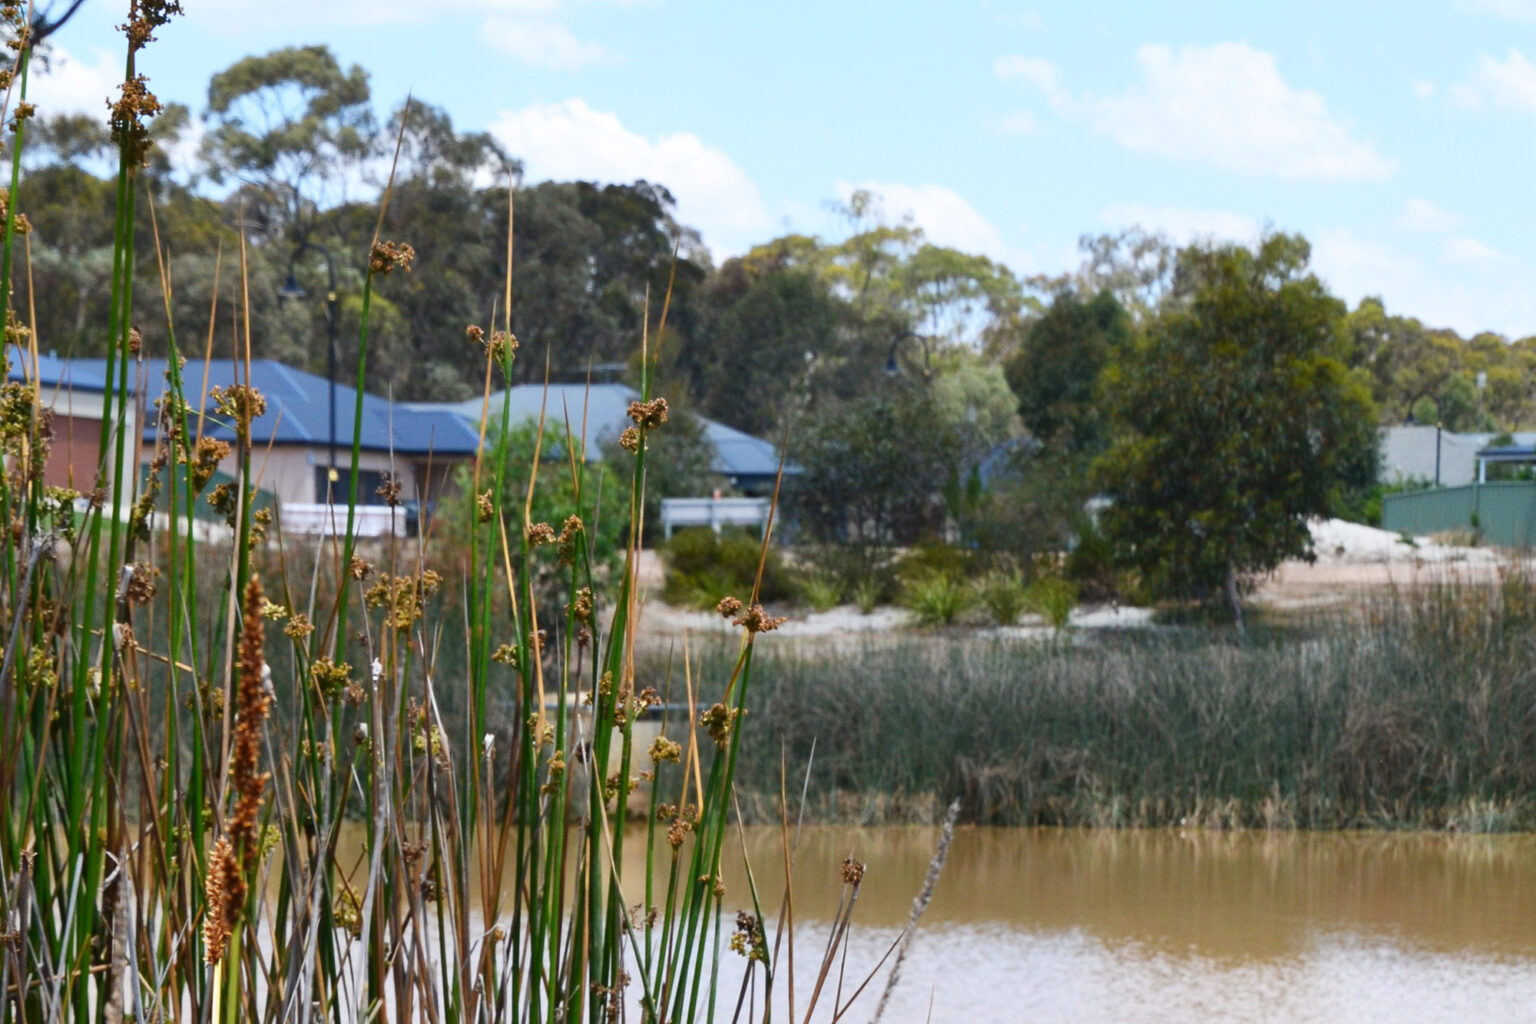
{"x": 291, "y": 290}
{"x": 893, "y": 368}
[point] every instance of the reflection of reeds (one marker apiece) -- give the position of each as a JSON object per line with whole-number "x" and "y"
{"x": 920, "y": 904}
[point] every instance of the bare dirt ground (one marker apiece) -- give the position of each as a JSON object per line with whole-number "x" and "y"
{"x": 1353, "y": 563}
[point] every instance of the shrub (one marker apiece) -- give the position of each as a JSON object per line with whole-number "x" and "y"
{"x": 937, "y": 599}
{"x": 1053, "y": 598}
{"x": 1002, "y": 593}
{"x": 822, "y": 593}
{"x": 867, "y": 593}
{"x": 703, "y": 567}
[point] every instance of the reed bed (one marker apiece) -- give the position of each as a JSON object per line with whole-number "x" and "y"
{"x": 1416, "y": 711}
{"x": 187, "y": 728}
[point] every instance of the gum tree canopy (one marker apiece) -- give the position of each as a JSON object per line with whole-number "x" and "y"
{"x": 1237, "y": 420}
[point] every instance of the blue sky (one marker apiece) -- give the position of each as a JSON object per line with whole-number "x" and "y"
{"x": 1398, "y": 137}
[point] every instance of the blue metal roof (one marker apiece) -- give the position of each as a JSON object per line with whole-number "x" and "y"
{"x": 298, "y": 409}
{"x": 54, "y": 373}
{"x": 605, "y": 408}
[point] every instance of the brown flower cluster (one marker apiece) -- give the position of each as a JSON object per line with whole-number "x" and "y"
{"x": 241, "y": 404}
{"x": 629, "y": 439}
{"x": 389, "y": 491}
{"x": 663, "y": 749}
{"x": 236, "y": 853}
{"x": 747, "y": 940}
{"x": 649, "y": 415}
{"x": 852, "y": 871}
{"x": 299, "y": 627}
{"x": 570, "y": 536}
{"x": 720, "y": 720}
{"x": 133, "y": 106}
{"x": 728, "y": 607}
{"x": 145, "y": 17}
{"x": 205, "y": 461}
{"x": 581, "y": 607}
{"x": 539, "y": 533}
{"x": 386, "y": 257}
{"x": 756, "y": 620}
{"x": 331, "y": 678}
{"x": 484, "y": 509}
{"x": 402, "y": 597}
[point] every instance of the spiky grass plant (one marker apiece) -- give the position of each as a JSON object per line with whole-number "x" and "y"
{"x": 242, "y": 781}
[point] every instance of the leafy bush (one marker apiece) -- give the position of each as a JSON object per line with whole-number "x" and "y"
{"x": 937, "y": 599}
{"x": 1053, "y": 598}
{"x": 1002, "y": 593}
{"x": 822, "y": 593}
{"x": 703, "y": 567}
{"x": 867, "y": 593}
{"x": 933, "y": 559}
{"x": 856, "y": 568}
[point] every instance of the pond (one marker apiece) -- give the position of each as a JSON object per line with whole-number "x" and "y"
{"x": 1090, "y": 926}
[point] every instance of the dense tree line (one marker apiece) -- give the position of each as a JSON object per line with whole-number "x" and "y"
{"x": 927, "y": 392}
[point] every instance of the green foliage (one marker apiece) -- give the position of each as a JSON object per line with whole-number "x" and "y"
{"x": 1053, "y": 599}
{"x": 1001, "y": 591}
{"x": 936, "y": 598}
{"x": 1055, "y": 373}
{"x": 1237, "y": 422}
{"x": 762, "y": 344}
{"x": 603, "y": 508}
{"x": 1346, "y": 722}
{"x": 703, "y": 567}
{"x": 822, "y": 593}
{"x": 872, "y": 471}
{"x": 292, "y": 120}
{"x": 867, "y": 594}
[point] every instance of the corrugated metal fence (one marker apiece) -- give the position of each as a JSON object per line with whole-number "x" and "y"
{"x": 1504, "y": 513}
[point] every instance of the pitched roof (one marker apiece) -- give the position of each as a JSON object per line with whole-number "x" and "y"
{"x": 54, "y": 373}
{"x": 605, "y": 410}
{"x": 298, "y": 409}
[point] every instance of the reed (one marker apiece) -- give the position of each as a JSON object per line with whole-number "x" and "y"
{"x": 192, "y": 733}
{"x": 1416, "y": 712}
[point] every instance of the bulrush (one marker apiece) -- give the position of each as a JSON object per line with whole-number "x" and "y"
{"x": 234, "y": 856}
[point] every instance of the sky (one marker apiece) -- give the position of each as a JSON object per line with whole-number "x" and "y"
{"x": 1398, "y": 137}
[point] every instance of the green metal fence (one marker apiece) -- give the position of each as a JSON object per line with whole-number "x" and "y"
{"x": 1503, "y": 513}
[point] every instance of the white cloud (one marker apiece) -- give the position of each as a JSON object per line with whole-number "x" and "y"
{"x": 75, "y": 86}
{"x": 1423, "y": 88}
{"x": 1516, "y": 10}
{"x": 1224, "y": 105}
{"x": 1020, "y": 123}
{"x": 570, "y": 141}
{"x": 1423, "y": 215}
{"x": 945, "y": 217}
{"x": 1028, "y": 20}
{"x": 1469, "y": 250}
{"x": 1509, "y": 84}
{"x": 541, "y": 43}
{"x": 1037, "y": 71}
{"x": 1183, "y": 224}
{"x": 1437, "y": 291}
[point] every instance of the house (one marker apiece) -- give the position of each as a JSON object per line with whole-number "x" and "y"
{"x": 744, "y": 463}
{"x": 1411, "y": 453}
{"x": 77, "y": 396}
{"x": 306, "y": 430}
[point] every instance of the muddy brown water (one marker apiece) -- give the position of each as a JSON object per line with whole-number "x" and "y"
{"x": 1158, "y": 926}
{"x": 1091, "y": 926}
